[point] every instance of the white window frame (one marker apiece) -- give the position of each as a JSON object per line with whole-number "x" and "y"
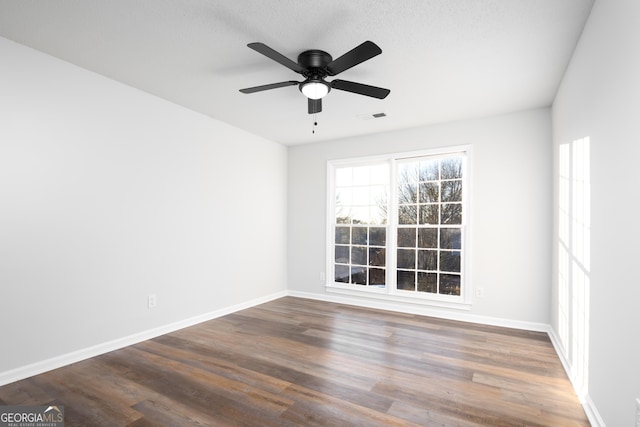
{"x": 389, "y": 292}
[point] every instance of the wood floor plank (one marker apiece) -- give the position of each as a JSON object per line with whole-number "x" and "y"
{"x": 86, "y": 409}
{"x": 23, "y": 393}
{"x": 225, "y": 368}
{"x": 299, "y": 362}
{"x": 313, "y": 408}
{"x": 428, "y": 416}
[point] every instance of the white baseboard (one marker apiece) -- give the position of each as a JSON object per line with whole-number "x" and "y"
{"x": 589, "y": 407}
{"x": 557, "y": 345}
{"x": 423, "y": 311}
{"x": 96, "y": 350}
{"x": 592, "y": 413}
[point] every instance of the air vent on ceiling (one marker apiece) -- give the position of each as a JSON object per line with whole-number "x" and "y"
{"x": 372, "y": 116}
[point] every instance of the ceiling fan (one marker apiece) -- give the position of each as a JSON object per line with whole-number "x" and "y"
{"x": 315, "y": 65}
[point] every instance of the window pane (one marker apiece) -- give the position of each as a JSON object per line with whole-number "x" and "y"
{"x": 344, "y": 197}
{"x": 429, "y": 170}
{"x": 430, "y": 192}
{"x": 343, "y": 177}
{"x": 428, "y": 282}
{"x": 452, "y": 213}
{"x": 408, "y": 193}
{"x": 450, "y": 284}
{"x": 407, "y": 214}
{"x": 406, "y": 258}
{"x": 342, "y": 254}
{"x": 406, "y": 237}
{"x": 379, "y": 174}
{"x": 427, "y": 237}
{"x": 360, "y": 215}
{"x": 378, "y": 215}
{"x": 450, "y": 238}
{"x": 377, "y": 277}
{"x": 361, "y": 175}
{"x": 342, "y": 273}
{"x": 450, "y": 261}
{"x": 452, "y": 191}
{"x": 343, "y": 216}
{"x": 360, "y": 196}
{"x": 359, "y": 275}
{"x": 342, "y": 235}
{"x": 359, "y": 236}
{"x": 378, "y": 195}
{"x": 377, "y": 257}
{"x": 407, "y": 172}
{"x": 451, "y": 168}
{"x": 428, "y": 260}
{"x": 429, "y": 214}
{"x": 378, "y": 236}
{"x": 406, "y": 280}
{"x": 359, "y": 255}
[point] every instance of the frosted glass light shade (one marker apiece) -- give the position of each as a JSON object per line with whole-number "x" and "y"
{"x": 315, "y": 90}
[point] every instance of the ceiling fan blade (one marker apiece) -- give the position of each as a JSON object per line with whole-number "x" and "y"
{"x": 315, "y": 105}
{"x": 267, "y": 87}
{"x": 276, "y": 56}
{"x": 355, "y": 56}
{"x": 360, "y": 89}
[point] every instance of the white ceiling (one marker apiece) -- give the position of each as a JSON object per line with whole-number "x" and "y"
{"x": 443, "y": 60}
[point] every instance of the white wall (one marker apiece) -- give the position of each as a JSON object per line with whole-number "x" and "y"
{"x": 511, "y": 208}
{"x": 600, "y": 98}
{"x": 108, "y": 194}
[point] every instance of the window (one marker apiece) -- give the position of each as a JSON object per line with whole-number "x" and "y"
{"x": 397, "y": 226}
{"x": 360, "y": 233}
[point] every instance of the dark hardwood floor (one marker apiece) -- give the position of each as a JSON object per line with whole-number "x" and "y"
{"x": 298, "y": 362}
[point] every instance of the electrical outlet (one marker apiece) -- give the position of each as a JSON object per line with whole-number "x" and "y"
{"x": 322, "y": 276}
{"x": 638, "y": 412}
{"x": 152, "y": 301}
{"x": 479, "y": 292}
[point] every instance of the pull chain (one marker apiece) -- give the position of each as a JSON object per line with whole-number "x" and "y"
{"x": 315, "y": 123}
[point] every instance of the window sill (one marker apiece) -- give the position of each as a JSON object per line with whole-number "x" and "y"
{"x": 398, "y": 297}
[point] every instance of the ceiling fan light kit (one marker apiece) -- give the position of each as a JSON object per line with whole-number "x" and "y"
{"x": 315, "y": 65}
{"x": 314, "y": 89}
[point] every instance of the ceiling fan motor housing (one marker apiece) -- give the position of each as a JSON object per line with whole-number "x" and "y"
{"x": 315, "y": 63}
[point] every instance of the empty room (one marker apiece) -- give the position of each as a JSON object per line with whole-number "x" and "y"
{"x": 298, "y": 213}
